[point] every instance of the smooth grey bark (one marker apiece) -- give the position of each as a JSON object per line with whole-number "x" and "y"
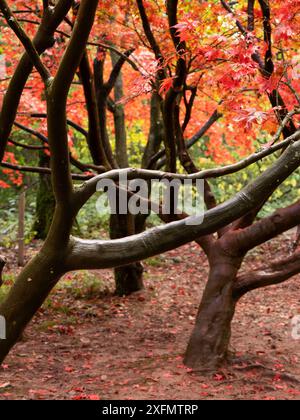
{"x": 103, "y": 254}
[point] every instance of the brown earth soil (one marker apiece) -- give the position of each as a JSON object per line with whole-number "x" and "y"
{"x": 86, "y": 343}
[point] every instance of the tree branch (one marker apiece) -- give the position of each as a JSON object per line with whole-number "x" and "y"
{"x": 240, "y": 26}
{"x": 57, "y": 102}
{"x": 101, "y": 254}
{"x": 89, "y": 188}
{"x": 71, "y": 123}
{"x": 42, "y": 41}
{"x": 93, "y": 136}
{"x": 161, "y": 154}
{"x": 250, "y": 12}
{"x": 249, "y": 160}
{"x": 27, "y": 146}
{"x": 75, "y": 162}
{"x": 109, "y": 85}
{"x": 26, "y": 41}
{"x": 41, "y": 170}
{"x": 149, "y": 34}
{"x": 45, "y": 4}
{"x": 278, "y": 272}
{"x": 268, "y": 227}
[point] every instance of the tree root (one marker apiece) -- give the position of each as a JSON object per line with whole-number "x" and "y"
{"x": 270, "y": 372}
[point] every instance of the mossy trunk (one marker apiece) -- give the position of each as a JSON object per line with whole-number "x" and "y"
{"x": 45, "y": 202}
{"x": 26, "y": 296}
{"x": 36, "y": 281}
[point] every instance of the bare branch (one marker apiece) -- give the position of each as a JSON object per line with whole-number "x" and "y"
{"x": 228, "y": 8}
{"x": 277, "y": 272}
{"x": 250, "y": 12}
{"x": 71, "y": 123}
{"x": 41, "y": 170}
{"x": 249, "y": 160}
{"x": 115, "y": 72}
{"x": 75, "y": 162}
{"x": 287, "y": 119}
{"x": 88, "y": 189}
{"x": 27, "y": 146}
{"x": 268, "y": 227}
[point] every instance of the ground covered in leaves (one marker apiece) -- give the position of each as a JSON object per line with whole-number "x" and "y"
{"x": 86, "y": 343}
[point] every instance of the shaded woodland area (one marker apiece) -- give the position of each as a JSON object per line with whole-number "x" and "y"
{"x": 166, "y": 304}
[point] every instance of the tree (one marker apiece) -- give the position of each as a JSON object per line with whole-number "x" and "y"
{"x": 232, "y": 64}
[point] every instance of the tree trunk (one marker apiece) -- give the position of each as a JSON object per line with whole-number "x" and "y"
{"x": 36, "y": 280}
{"x": 26, "y": 296}
{"x": 209, "y": 342}
{"x": 119, "y": 118}
{"x": 156, "y": 133}
{"x": 45, "y": 202}
{"x": 128, "y": 278}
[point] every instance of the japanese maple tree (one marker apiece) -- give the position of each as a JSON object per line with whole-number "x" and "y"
{"x": 188, "y": 69}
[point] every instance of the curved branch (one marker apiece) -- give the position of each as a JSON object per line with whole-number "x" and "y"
{"x": 89, "y": 188}
{"x": 75, "y": 162}
{"x": 33, "y": 132}
{"x": 277, "y": 272}
{"x": 27, "y": 146}
{"x": 268, "y": 227}
{"x": 71, "y": 123}
{"x": 103, "y": 254}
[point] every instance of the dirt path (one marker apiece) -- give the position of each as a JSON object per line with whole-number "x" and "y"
{"x": 87, "y": 344}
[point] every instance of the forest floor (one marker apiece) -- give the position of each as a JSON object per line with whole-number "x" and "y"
{"x": 86, "y": 343}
